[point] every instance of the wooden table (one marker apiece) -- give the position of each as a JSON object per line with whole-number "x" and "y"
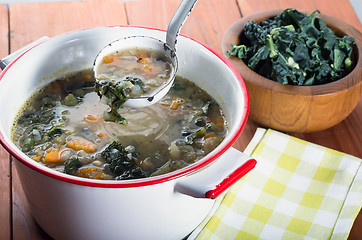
{"x": 21, "y": 24}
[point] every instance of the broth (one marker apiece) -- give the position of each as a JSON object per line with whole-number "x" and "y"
{"x": 62, "y": 127}
{"x": 140, "y": 71}
{"x": 130, "y": 73}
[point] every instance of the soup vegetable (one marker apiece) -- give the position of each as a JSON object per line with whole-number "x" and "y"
{"x": 130, "y": 73}
{"x": 295, "y": 48}
{"x": 62, "y": 126}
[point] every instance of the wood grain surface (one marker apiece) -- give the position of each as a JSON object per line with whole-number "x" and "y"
{"x": 5, "y": 200}
{"x": 30, "y": 21}
{"x": 340, "y": 9}
{"x": 207, "y": 23}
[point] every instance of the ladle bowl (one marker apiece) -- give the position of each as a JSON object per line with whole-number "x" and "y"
{"x": 147, "y": 43}
{"x": 168, "y": 48}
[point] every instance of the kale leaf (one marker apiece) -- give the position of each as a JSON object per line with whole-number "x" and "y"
{"x": 26, "y": 143}
{"x": 54, "y": 132}
{"x": 29, "y": 118}
{"x": 121, "y": 162}
{"x": 72, "y": 165}
{"x": 116, "y": 97}
{"x": 134, "y": 81}
{"x": 116, "y": 94}
{"x": 295, "y": 48}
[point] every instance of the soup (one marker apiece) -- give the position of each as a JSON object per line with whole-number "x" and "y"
{"x": 141, "y": 72}
{"x": 62, "y": 126}
{"x": 131, "y": 73}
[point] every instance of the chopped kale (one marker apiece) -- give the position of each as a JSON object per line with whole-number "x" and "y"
{"x": 116, "y": 97}
{"x": 36, "y": 117}
{"x": 47, "y": 102}
{"x": 72, "y": 165}
{"x": 178, "y": 87}
{"x": 54, "y": 132}
{"x": 26, "y": 143}
{"x": 134, "y": 81}
{"x": 34, "y": 133}
{"x": 116, "y": 94}
{"x": 121, "y": 162}
{"x": 295, "y": 48}
{"x": 88, "y": 84}
{"x": 29, "y": 118}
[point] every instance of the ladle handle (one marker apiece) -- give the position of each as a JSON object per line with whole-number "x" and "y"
{"x": 11, "y": 57}
{"x": 177, "y": 21}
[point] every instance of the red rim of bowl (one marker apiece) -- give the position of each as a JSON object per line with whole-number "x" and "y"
{"x": 143, "y": 181}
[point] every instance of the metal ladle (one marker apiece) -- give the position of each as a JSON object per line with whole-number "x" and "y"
{"x": 168, "y": 48}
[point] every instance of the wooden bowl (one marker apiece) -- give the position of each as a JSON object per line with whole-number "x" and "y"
{"x": 299, "y": 108}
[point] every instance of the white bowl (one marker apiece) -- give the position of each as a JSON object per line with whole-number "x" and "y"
{"x": 163, "y": 207}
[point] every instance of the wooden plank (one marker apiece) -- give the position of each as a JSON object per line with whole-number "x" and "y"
{"x": 4, "y": 30}
{"x": 207, "y": 22}
{"x": 5, "y": 194}
{"x": 5, "y": 185}
{"x": 29, "y": 22}
{"x": 151, "y": 13}
{"x": 341, "y": 9}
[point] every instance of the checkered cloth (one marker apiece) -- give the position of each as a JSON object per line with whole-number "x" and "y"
{"x": 298, "y": 190}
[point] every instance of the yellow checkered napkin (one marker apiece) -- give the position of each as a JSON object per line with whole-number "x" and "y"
{"x": 298, "y": 190}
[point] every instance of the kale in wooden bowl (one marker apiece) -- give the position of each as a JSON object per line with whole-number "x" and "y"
{"x": 295, "y": 48}
{"x": 315, "y": 97}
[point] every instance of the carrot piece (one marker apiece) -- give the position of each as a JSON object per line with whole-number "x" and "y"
{"x": 37, "y": 158}
{"x": 50, "y": 150}
{"x": 108, "y": 59}
{"x": 53, "y": 156}
{"x": 101, "y": 176}
{"x": 87, "y": 77}
{"x": 142, "y": 58}
{"x": 174, "y": 105}
{"x": 82, "y": 144}
{"x": 148, "y": 70}
{"x": 89, "y": 172}
{"x": 208, "y": 135}
{"x": 102, "y": 134}
{"x": 91, "y": 118}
